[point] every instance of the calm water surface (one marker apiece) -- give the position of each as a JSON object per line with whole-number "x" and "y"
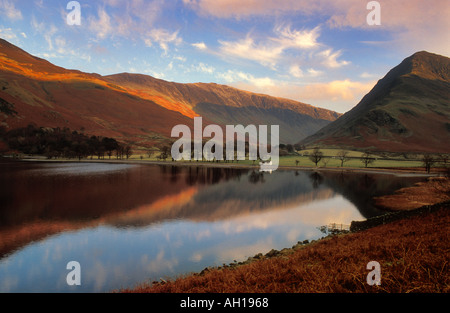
{"x": 127, "y": 224}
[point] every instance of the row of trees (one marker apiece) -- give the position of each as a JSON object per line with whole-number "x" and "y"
{"x": 316, "y": 156}
{"x": 428, "y": 160}
{"x": 63, "y": 143}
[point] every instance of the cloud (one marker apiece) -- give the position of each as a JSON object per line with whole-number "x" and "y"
{"x": 135, "y": 16}
{"x": 133, "y": 20}
{"x": 330, "y": 59}
{"x": 200, "y": 45}
{"x": 269, "y": 51}
{"x": 240, "y": 78}
{"x": 159, "y": 75}
{"x": 246, "y": 48}
{"x": 48, "y": 31}
{"x": 163, "y": 38}
{"x": 203, "y": 68}
{"x": 57, "y": 44}
{"x": 337, "y": 95}
{"x": 366, "y": 75}
{"x": 314, "y": 73}
{"x": 286, "y": 52}
{"x": 296, "y": 71}
{"x": 413, "y": 24}
{"x": 101, "y": 26}
{"x": 337, "y": 90}
{"x": 298, "y": 39}
{"x": 8, "y": 9}
{"x": 243, "y": 8}
{"x": 180, "y": 58}
{"x": 240, "y": 9}
{"x": 49, "y": 34}
{"x": 7, "y": 33}
{"x": 60, "y": 43}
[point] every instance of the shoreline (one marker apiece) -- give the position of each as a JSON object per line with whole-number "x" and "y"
{"x": 369, "y": 226}
{"x": 311, "y": 266}
{"x": 355, "y": 227}
{"x": 400, "y": 171}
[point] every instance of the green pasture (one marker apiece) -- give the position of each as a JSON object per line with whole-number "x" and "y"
{"x": 329, "y": 160}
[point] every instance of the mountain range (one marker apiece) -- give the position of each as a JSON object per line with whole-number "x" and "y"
{"x": 137, "y": 108}
{"x": 406, "y": 111}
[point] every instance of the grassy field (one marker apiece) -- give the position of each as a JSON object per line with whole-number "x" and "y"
{"x": 329, "y": 160}
{"x": 299, "y": 159}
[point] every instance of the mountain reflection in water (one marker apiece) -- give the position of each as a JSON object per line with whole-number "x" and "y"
{"x": 214, "y": 207}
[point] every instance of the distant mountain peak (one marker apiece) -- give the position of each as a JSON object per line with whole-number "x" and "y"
{"x": 430, "y": 66}
{"x": 407, "y": 110}
{"x": 423, "y": 64}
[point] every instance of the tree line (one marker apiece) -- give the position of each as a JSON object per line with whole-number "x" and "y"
{"x": 428, "y": 160}
{"x": 63, "y": 143}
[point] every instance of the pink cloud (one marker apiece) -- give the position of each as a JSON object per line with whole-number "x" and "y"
{"x": 337, "y": 95}
{"x": 414, "y": 24}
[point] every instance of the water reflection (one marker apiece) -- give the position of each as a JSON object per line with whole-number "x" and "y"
{"x": 126, "y": 222}
{"x": 316, "y": 179}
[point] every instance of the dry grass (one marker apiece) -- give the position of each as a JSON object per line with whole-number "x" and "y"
{"x": 435, "y": 190}
{"x": 414, "y": 255}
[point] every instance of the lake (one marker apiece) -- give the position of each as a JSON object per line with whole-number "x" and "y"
{"x": 127, "y": 224}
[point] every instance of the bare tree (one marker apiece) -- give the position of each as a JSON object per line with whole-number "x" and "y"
{"x": 367, "y": 159}
{"x": 290, "y": 148}
{"x": 120, "y": 151}
{"x": 316, "y": 156}
{"x": 428, "y": 161}
{"x": 343, "y": 157}
{"x": 165, "y": 150}
{"x": 150, "y": 153}
{"x": 128, "y": 151}
{"x": 443, "y": 159}
{"x": 163, "y": 156}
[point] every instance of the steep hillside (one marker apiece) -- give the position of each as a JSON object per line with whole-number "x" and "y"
{"x": 50, "y": 96}
{"x": 407, "y": 110}
{"x": 230, "y": 106}
{"x": 136, "y": 108}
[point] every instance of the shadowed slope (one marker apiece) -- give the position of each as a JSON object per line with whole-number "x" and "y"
{"x": 408, "y": 110}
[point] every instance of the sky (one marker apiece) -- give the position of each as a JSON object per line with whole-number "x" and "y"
{"x": 321, "y": 52}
